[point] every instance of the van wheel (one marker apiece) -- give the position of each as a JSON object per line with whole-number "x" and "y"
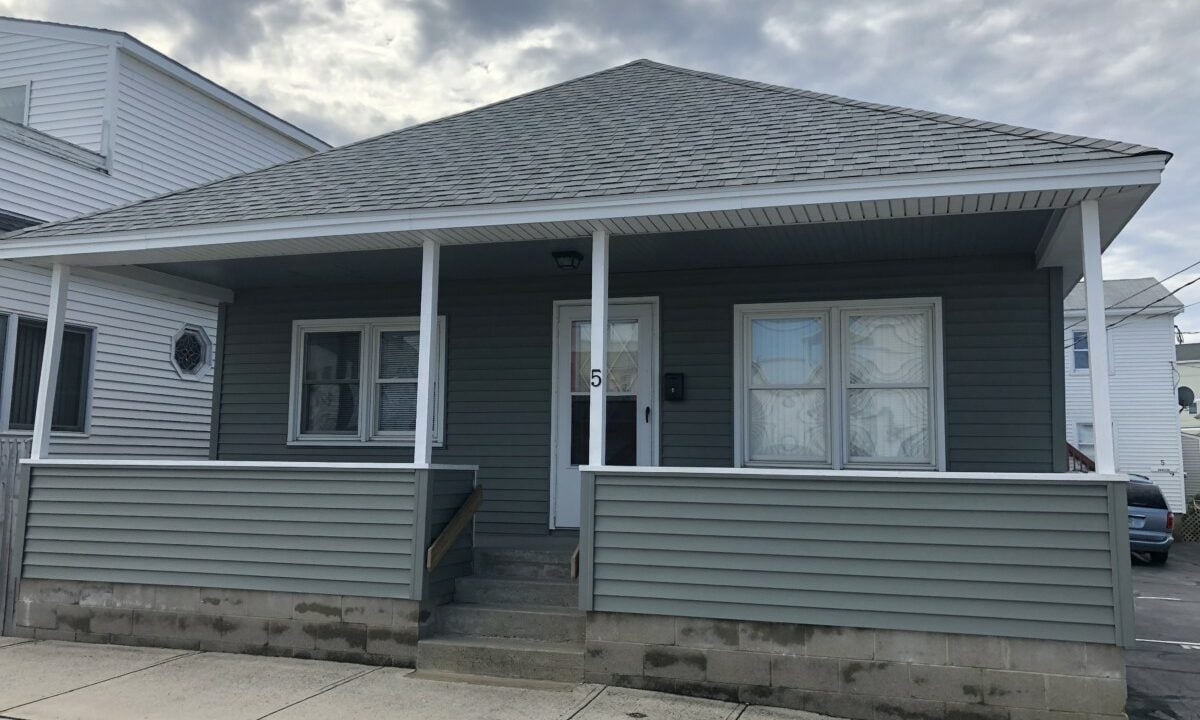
{"x": 1158, "y": 558}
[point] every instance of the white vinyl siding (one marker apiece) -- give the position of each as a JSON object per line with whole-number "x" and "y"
{"x": 37, "y": 185}
{"x": 169, "y": 136}
{"x": 68, "y": 82}
{"x": 1142, "y": 387}
{"x": 138, "y": 405}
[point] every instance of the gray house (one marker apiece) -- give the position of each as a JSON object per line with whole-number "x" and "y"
{"x": 816, "y": 460}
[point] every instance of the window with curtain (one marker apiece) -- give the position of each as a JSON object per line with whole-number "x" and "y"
{"x": 355, "y": 381}
{"x": 22, "y": 345}
{"x": 839, "y": 385}
{"x": 12, "y": 103}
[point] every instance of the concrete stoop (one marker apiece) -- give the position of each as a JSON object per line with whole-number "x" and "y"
{"x": 516, "y": 617}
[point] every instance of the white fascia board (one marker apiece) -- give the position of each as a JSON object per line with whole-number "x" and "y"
{"x": 1141, "y": 170}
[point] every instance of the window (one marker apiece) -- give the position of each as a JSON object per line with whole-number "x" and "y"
{"x": 190, "y": 352}
{"x": 839, "y": 385}
{"x": 14, "y": 101}
{"x": 1085, "y": 439}
{"x": 23, "y": 343}
{"x": 355, "y": 381}
{"x": 1079, "y": 350}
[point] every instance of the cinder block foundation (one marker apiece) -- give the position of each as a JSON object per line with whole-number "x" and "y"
{"x": 327, "y": 627}
{"x": 857, "y": 673}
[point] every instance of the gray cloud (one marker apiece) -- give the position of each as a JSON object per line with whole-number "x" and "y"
{"x": 1125, "y": 70}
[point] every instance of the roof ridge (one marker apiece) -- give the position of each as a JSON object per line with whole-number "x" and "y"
{"x": 356, "y": 143}
{"x": 1130, "y": 149}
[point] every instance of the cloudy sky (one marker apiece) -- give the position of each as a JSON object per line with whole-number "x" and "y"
{"x": 348, "y": 69}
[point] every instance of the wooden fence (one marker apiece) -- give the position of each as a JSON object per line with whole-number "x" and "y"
{"x": 12, "y": 450}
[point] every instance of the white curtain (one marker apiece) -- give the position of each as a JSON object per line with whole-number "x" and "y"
{"x": 886, "y": 422}
{"x": 787, "y": 408}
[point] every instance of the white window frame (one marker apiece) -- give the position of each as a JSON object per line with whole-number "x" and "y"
{"x": 1112, "y": 358}
{"x": 370, "y": 329}
{"x": 8, "y": 370}
{"x": 835, "y": 313}
{"x": 28, "y": 85}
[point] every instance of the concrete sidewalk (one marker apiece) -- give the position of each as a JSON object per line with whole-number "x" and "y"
{"x": 50, "y": 680}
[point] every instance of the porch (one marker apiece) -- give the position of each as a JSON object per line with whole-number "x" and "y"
{"x": 832, "y": 558}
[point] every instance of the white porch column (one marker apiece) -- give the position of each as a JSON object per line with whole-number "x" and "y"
{"x": 1093, "y": 277}
{"x": 423, "y": 442}
{"x": 43, "y": 418}
{"x": 598, "y": 377}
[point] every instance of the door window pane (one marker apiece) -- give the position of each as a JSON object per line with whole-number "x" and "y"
{"x": 621, "y": 437}
{"x": 787, "y": 351}
{"x": 887, "y": 349}
{"x": 332, "y": 363}
{"x": 70, "y": 397}
{"x": 622, "y": 353}
{"x": 788, "y": 425}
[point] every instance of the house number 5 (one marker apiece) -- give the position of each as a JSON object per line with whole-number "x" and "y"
{"x": 597, "y": 378}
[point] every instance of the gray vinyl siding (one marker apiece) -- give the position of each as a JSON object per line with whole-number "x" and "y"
{"x": 448, "y": 490}
{"x": 992, "y": 557}
{"x": 999, "y": 321}
{"x": 321, "y": 530}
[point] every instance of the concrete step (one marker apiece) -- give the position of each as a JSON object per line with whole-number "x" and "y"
{"x": 528, "y": 563}
{"x": 501, "y": 657}
{"x": 484, "y": 590}
{"x": 531, "y": 622}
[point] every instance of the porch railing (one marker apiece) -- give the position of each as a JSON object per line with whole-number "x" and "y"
{"x": 1077, "y": 461}
{"x": 1017, "y": 555}
{"x": 335, "y": 528}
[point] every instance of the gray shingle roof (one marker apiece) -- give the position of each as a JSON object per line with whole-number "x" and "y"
{"x": 1127, "y": 294}
{"x": 637, "y": 128}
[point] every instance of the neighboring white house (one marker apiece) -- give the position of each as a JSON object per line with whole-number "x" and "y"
{"x": 1141, "y": 319}
{"x": 91, "y": 119}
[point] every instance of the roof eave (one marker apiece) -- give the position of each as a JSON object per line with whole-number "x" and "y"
{"x": 107, "y": 248}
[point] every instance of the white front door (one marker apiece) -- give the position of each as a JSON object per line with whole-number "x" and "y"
{"x": 631, "y": 414}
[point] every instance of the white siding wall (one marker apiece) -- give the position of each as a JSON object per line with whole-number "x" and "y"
{"x": 140, "y": 406}
{"x": 1143, "y": 400}
{"x": 69, "y": 81}
{"x": 40, "y": 186}
{"x": 170, "y": 136}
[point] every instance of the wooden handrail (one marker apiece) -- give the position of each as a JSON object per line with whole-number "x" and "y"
{"x": 575, "y": 564}
{"x": 1077, "y": 459}
{"x": 449, "y": 535}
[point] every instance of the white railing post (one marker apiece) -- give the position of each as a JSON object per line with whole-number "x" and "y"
{"x": 423, "y": 441}
{"x": 1097, "y": 337}
{"x": 598, "y": 377}
{"x": 43, "y": 419}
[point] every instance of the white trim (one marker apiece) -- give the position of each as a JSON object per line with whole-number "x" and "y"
{"x": 834, "y": 313}
{"x": 1097, "y": 351}
{"x": 160, "y": 283}
{"x": 60, "y": 283}
{"x": 240, "y": 464}
{"x": 424, "y": 430}
{"x": 206, "y": 364}
{"x": 1141, "y": 170}
{"x": 1069, "y": 338}
{"x": 370, "y": 328}
{"x": 557, "y": 357}
{"x": 822, "y": 474}
{"x": 598, "y": 376}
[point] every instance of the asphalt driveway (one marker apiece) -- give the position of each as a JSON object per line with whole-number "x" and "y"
{"x": 1164, "y": 668}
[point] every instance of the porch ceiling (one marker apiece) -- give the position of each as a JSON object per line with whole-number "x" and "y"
{"x": 979, "y": 234}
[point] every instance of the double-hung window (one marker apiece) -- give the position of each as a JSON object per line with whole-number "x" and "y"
{"x": 355, "y": 381}
{"x": 853, "y": 384}
{"x": 1079, "y": 350}
{"x": 22, "y": 340}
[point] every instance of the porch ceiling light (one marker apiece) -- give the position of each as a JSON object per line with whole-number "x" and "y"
{"x": 567, "y": 259}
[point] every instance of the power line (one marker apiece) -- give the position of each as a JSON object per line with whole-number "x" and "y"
{"x": 1122, "y": 319}
{"x": 1139, "y": 292}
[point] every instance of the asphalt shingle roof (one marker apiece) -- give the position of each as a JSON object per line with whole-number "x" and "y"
{"x": 637, "y": 128}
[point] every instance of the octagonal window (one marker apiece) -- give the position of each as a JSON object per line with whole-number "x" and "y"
{"x": 191, "y": 352}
